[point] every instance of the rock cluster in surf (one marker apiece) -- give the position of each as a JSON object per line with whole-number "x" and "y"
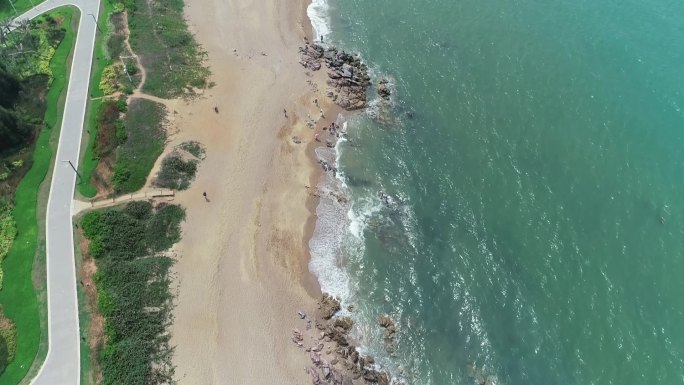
{"x": 348, "y": 77}
{"x": 334, "y": 357}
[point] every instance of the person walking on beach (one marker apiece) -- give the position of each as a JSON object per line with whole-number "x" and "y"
{"x": 285, "y": 112}
{"x": 204, "y": 194}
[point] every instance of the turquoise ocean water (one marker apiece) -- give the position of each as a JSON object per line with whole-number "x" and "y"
{"x": 535, "y": 169}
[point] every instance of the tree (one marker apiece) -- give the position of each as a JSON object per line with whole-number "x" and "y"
{"x": 9, "y": 87}
{"x": 24, "y": 25}
{"x": 13, "y": 131}
{"x": 5, "y": 26}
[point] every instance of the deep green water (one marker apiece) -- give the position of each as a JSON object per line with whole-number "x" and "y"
{"x": 538, "y": 164}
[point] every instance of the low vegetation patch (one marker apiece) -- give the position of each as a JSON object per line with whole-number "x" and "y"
{"x": 8, "y": 341}
{"x": 168, "y": 51}
{"x": 8, "y": 231}
{"x": 145, "y": 138}
{"x": 133, "y": 292}
{"x": 179, "y": 167}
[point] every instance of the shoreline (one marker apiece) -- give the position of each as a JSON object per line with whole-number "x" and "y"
{"x": 242, "y": 272}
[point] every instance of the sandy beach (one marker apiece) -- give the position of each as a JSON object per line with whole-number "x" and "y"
{"x": 242, "y": 263}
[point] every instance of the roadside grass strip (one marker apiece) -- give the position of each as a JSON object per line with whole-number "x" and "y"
{"x": 21, "y": 6}
{"x": 102, "y": 59}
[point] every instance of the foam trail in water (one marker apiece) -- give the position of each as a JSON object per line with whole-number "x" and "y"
{"x": 320, "y": 21}
{"x": 332, "y": 223}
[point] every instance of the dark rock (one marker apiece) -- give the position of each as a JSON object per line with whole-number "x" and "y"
{"x": 384, "y": 89}
{"x": 345, "y": 323}
{"x": 388, "y": 324}
{"x": 383, "y": 379}
{"x": 371, "y": 376}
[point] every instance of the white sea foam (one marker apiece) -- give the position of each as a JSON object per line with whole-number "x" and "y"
{"x": 331, "y": 226}
{"x": 320, "y": 19}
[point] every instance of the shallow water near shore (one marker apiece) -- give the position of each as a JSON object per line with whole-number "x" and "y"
{"x": 534, "y": 231}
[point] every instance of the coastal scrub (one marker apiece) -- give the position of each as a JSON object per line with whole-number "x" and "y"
{"x": 133, "y": 292}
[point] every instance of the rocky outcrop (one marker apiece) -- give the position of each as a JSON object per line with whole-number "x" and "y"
{"x": 335, "y": 360}
{"x": 388, "y": 324}
{"x": 348, "y": 79}
{"x": 347, "y": 75}
{"x": 310, "y": 56}
{"x": 383, "y": 89}
{"x": 328, "y": 306}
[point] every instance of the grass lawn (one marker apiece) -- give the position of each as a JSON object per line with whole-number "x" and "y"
{"x": 18, "y": 296}
{"x": 6, "y": 10}
{"x": 145, "y": 142}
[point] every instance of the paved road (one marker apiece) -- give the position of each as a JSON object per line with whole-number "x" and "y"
{"x": 62, "y": 364}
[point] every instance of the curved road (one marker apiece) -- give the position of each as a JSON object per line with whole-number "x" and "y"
{"x": 62, "y": 364}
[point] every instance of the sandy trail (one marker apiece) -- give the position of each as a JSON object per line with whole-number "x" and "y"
{"x": 242, "y": 263}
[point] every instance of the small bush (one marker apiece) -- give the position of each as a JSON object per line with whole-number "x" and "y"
{"x": 115, "y": 46}
{"x": 121, "y": 105}
{"x": 107, "y": 138}
{"x": 121, "y": 135}
{"x": 176, "y": 173}
{"x": 196, "y": 149}
{"x": 145, "y": 137}
{"x": 139, "y": 210}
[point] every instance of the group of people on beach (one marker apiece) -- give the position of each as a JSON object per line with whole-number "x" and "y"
{"x": 334, "y": 129}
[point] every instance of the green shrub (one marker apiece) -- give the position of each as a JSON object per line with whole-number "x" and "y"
{"x": 121, "y": 175}
{"x": 176, "y": 173}
{"x": 141, "y": 210}
{"x": 133, "y": 291}
{"x": 145, "y": 137}
{"x": 115, "y": 46}
{"x": 196, "y": 149}
{"x": 92, "y": 224}
{"x": 121, "y": 134}
{"x": 122, "y": 105}
{"x": 163, "y": 230}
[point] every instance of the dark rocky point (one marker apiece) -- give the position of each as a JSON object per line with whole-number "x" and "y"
{"x": 347, "y": 76}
